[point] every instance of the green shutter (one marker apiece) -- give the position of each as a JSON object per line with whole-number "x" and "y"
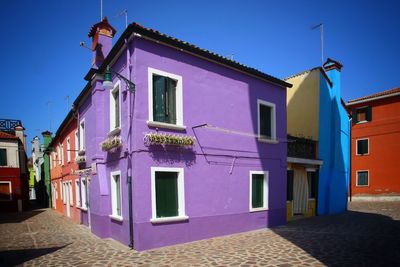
{"x": 159, "y": 87}
{"x": 362, "y": 147}
{"x": 3, "y": 157}
{"x": 166, "y": 194}
{"x": 118, "y": 193}
{"x": 354, "y": 116}
{"x": 289, "y": 187}
{"x": 368, "y": 114}
{"x": 116, "y": 98}
{"x": 171, "y": 101}
{"x": 265, "y": 121}
{"x": 257, "y": 191}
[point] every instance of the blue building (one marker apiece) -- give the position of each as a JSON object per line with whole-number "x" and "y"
{"x": 318, "y": 142}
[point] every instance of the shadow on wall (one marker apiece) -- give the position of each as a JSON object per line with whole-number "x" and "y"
{"x": 349, "y": 239}
{"x": 172, "y": 154}
{"x": 17, "y": 257}
{"x": 333, "y": 150}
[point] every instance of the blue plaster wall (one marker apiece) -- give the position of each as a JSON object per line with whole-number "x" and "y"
{"x": 333, "y": 147}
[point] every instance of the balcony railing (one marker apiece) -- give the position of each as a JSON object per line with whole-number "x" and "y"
{"x": 301, "y": 147}
{"x": 7, "y": 125}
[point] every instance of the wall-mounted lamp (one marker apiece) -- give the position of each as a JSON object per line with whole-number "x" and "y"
{"x": 108, "y": 84}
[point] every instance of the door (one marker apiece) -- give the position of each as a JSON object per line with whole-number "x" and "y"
{"x": 67, "y": 200}
{"x": 300, "y": 191}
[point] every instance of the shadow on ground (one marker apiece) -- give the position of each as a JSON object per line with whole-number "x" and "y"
{"x": 350, "y": 239}
{"x": 16, "y": 257}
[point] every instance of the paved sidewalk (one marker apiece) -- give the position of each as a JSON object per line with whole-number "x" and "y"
{"x": 367, "y": 235}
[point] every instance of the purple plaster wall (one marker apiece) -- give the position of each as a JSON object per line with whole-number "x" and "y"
{"x": 217, "y": 201}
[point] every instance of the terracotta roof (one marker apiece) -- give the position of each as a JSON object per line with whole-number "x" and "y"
{"x": 4, "y": 135}
{"x": 386, "y": 93}
{"x": 183, "y": 46}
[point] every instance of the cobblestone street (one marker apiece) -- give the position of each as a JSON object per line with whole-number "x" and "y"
{"x": 367, "y": 235}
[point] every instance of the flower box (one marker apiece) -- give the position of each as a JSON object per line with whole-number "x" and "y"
{"x": 169, "y": 139}
{"x": 111, "y": 143}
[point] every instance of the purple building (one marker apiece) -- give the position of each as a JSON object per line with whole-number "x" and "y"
{"x": 182, "y": 144}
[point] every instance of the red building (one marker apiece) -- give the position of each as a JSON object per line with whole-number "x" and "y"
{"x": 375, "y": 144}
{"x": 14, "y": 175}
{"x": 65, "y": 189}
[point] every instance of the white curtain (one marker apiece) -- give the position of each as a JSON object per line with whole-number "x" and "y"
{"x": 300, "y": 191}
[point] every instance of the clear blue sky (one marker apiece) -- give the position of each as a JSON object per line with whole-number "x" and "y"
{"x": 42, "y": 61}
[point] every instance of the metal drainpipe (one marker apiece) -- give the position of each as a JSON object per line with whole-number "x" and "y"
{"x": 129, "y": 157}
{"x": 350, "y": 172}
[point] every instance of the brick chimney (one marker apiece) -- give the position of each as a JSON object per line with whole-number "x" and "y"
{"x": 101, "y": 34}
{"x": 19, "y": 132}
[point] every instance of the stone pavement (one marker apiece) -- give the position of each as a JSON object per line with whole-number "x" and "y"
{"x": 367, "y": 235}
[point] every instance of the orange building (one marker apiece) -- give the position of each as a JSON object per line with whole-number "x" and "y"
{"x": 375, "y": 138}
{"x": 65, "y": 187}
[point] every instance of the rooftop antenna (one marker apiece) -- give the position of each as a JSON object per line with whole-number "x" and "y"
{"x": 321, "y": 27}
{"x": 101, "y": 10}
{"x": 123, "y": 13}
{"x": 67, "y": 98}
{"x": 48, "y": 107}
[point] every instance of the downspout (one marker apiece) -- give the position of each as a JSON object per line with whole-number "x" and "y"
{"x": 350, "y": 171}
{"x": 129, "y": 157}
{"x": 76, "y": 152}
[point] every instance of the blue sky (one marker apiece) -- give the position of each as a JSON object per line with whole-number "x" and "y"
{"x": 43, "y": 65}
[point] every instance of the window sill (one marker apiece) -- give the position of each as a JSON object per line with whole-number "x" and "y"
{"x": 362, "y": 185}
{"x": 269, "y": 141}
{"x": 83, "y": 208}
{"x": 361, "y": 122}
{"x": 156, "y": 124}
{"x": 258, "y": 209}
{"x": 362, "y": 154}
{"x": 114, "y": 132}
{"x": 116, "y": 218}
{"x": 169, "y": 219}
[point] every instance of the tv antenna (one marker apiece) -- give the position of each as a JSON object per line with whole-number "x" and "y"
{"x": 48, "y": 103}
{"x": 67, "y": 98}
{"x": 321, "y": 27}
{"x": 123, "y": 13}
{"x": 101, "y": 10}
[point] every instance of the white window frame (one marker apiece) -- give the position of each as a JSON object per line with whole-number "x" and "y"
{"x": 265, "y": 188}
{"x": 273, "y": 139}
{"x": 114, "y": 196}
{"x": 117, "y": 86}
{"x": 68, "y": 150}
{"x": 357, "y": 109}
{"x": 61, "y": 190}
{"x": 58, "y": 155}
{"x": 179, "y": 100}
{"x": 76, "y": 148}
{"x": 65, "y": 193}
{"x": 77, "y": 194}
{"x": 83, "y": 193}
{"x": 10, "y": 189}
{"x": 62, "y": 155}
{"x": 82, "y": 133}
{"x": 181, "y": 196}
{"x": 71, "y": 194}
{"x": 357, "y": 146}
{"x": 358, "y": 171}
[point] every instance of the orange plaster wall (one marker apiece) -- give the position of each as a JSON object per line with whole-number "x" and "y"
{"x": 64, "y": 172}
{"x": 383, "y": 160}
